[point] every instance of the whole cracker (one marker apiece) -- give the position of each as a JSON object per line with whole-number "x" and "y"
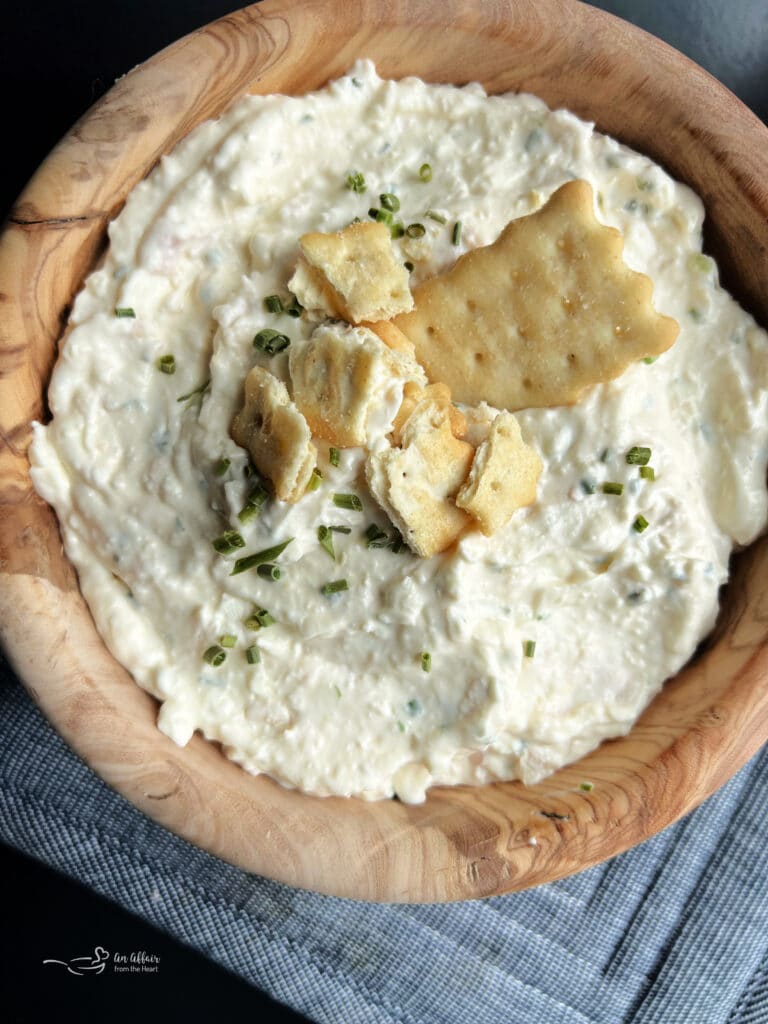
{"x": 358, "y": 264}
{"x": 275, "y": 434}
{"x": 503, "y": 477}
{"x": 541, "y": 314}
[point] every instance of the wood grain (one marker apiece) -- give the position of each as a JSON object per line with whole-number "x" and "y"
{"x": 462, "y": 842}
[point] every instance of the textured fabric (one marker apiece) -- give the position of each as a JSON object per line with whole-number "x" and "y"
{"x": 675, "y": 931}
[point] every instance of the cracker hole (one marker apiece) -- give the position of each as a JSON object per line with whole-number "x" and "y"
{"x": 430, "y": 330}
{"x": 479, "y": 357}
{"x": 471, "y": 305}
{"x": 496, "y": 486}
{"x": 572, "y": 357}
{"x": 527, "y": 382}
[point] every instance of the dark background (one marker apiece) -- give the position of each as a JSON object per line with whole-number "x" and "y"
{"x": 56, "y": 59}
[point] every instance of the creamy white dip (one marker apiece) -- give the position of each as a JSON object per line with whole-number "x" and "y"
{"x": 339, "y": 703}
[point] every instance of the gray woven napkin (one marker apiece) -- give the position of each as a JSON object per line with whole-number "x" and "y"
{"x": 675, "y": 931}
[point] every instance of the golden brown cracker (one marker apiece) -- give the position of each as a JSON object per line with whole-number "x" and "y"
{"x": 415, "y": 484}
{"x": 392, "y": 336}
{"x": 341, "y": 376}
{"x": 413, "y": 394}
{"x": 275, "y": 434}
{"x": 367, "y": 281}
{"x": 503, "y": 477}
{"x": 544, "y": 312}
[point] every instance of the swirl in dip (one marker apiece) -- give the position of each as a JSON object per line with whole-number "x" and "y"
{"x": 543, "y": 639}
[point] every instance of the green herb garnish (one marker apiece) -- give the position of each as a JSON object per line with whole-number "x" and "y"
{"x": 268, "y": 571}
{"x": 167, "y": 364}
{"x": 228, "y": 542}
{"x": 267, "y": 555}
{"x": 260, "y": 619}
{"x": 334, "y": 587}
{"x": 588, "y": 486}
{"x": 389, "y": 202}
{"x": 294, "y": 308}
{"x": 647, "y": 472}
{"x": 228, "y": 640}
{"x": 271, "y": 342}
{"x": 456, "y": 235}
{"x": 376, "y": 537}
{"x": 415, "y": 230}
{"x": 649, "y": 359}
{"x": 426, "y": 661}
{"x": 314, "y": 480}
{"x": 640, "y": 524}
{"x": 200, "y": 390}
{"x": 638, "y": 456}
{"x": 382, "y": 216}
{"x": 273, "y": 304}
{"x": 587, "y": 787}
{"x": 425, "y": 173}
{"x": 215, "y": 656}
{"x": 123, "y": 312}
{"x": 397, "y": 230}
{"x": 221, "y": 467}
{"x": 434, "y": 215}
{"x": 529, "y": 648}
{"x": 254, "y": 504}
{"x": 334, "y": 456}
{"x": 356, "y": 182}
{"x": 253, "y": 655}
{"x": 325, "y": 537}
{"x": 611, "y": 487}
{"x": 348, "y": 501}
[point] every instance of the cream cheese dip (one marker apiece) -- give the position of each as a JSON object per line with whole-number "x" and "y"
{"x": 543, "y": 639}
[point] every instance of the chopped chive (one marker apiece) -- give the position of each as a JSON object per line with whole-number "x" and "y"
{"x": 348, "y": 501}
{"x": 356, "y": 182}
{"x": 425, "y": 173}
{"x": 588, "y": 486}
{"x": 415, "y": 230}
{"x": 640, "y": 524}
{"x": 408, "y": 266}
{"x": 647, "y": 472}
{"x": 215, "y": 656}
{"x": 254, "y": 504}
{"x": 271, "y": 342}
{"x": 382, "y": 216}
{"x": 249, "y": 470}
{"x": 260, "y": 619}
{"x": 221, "y": 467}
{"x": 228, "y": 542}
{"x": 253, "y": 655}
{"x": 267, "y": 555}
{"x": 334, "y": 587}
{"x": 426, "y": 661}
{"x": 529, "y": 648}
{"x": 434, "y": 215}
{"x": 397, "y": 544}
{"x": 200, "y": 390}
{"x": 456, "y": 235}
{"x": 605, "y": 454}
{"x": 340, "y": 529}
{"x": 273, "y": 304}
{"x": 334, "y": 456}
{"x": 167, "y": 364}
{"x": 314, "y": 480}
{"x": 397, "y": 230}
{"x": 337, "y": 691}
{"x": 228, "y": 640}
{"x": 414, "y": 706}
{"x": 637, "y": 456}
{"x": 587, "y": 787}
{"x": 376, "y": 537}
{"x": 325, "y": 537}
{"x": 611, "y": 487}
{"x": 268, "y": 571}
{"x": 294, "y": 308}
{"x": 123, "y": 312}
{"x": 649, "y": 359}
{"x": 401, "y": 726}
{"x": 389, "y": 202}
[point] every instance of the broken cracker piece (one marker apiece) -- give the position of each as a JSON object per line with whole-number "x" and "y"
{"x": 413, "y": 394}
{"x": 349, "y": 384}
{"x": 392, "y": 337}
{"x": 503, "y": 476}
{"x": 275, "y": 434}
{"x": 415, "y": 484}
{"x": 353, "y": 274}
{"x": 544, "y": 312}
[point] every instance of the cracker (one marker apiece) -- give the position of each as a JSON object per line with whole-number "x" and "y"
{"x": 392, "y": 337}
{"x": 348, "y": 383}
{"x": 541, "y": 314}
{"x": 503, "y": 477}
{"x": 413, "y": 394}
{"x": 353, "y": 274}
{"x": 275, "y": 434}
{"x": 415, "y": 484}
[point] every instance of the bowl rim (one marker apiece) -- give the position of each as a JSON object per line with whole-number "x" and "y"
{"x": 463, "y": 842}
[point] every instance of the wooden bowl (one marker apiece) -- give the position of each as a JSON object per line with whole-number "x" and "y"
{"x": 463, "y": 842}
